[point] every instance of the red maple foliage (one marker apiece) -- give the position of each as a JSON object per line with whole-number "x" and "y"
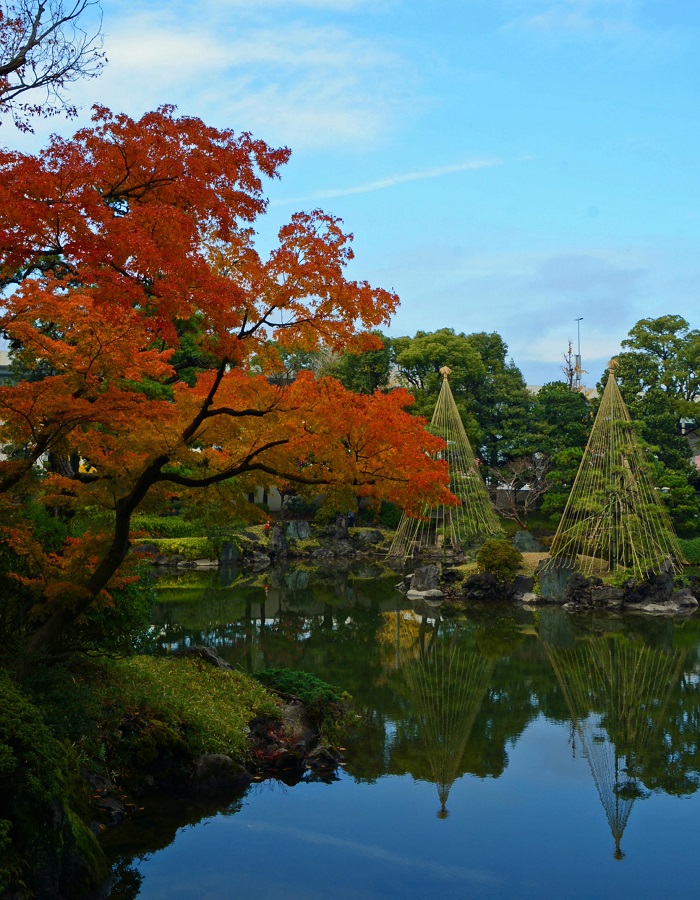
{"x": 146, "y": 325}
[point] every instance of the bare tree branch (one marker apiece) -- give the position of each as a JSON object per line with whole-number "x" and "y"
{"x": 517, "y": 486}
{"x": 44, "y": 48}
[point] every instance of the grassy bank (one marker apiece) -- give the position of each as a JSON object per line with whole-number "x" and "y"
{"x": 137, "y": 721}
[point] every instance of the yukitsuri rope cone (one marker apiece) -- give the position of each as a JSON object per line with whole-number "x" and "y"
{"x": 617, "y": 692}
{"x": 615, "y": 518}
{"x": 449, "y": 527}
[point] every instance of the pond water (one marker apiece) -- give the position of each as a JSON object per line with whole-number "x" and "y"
{"x": 509, "y": 754}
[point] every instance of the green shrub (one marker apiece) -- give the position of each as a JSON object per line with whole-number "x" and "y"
{"x": 166, "y": 526}
{"x": 325, "y": 704}
{"x": 309, "y": 689}
{"x": 325, "y": 516}
{"x": 190, "y": 547}
{"x": 499, "y": 558}
{"x": 120, "y": 626}
{"x": 691, "y": 550}
{"x": 389, "y": 515}
{"x": 39, "y": 793}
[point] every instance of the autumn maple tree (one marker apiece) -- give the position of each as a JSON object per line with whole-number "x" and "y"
{"x": 147, "y": 329}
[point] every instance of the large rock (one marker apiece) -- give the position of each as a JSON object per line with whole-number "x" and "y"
{"x": 344, "y": 548}
{"x": 591, "y": 592}
{"x": 298, "y": 530}
{"x": 554, "y": 577}
{"x": 433, "y": 594}
{"x": 229, "y": 554}
{"x": 425, "y": 578}
{"x": 655, "y": 589}
{"x": 684, "y": 598}
{"x": 371, "y": 536}
{"x": 278, "y": 545}
{"x": 522, "y": 584}
{"x": 215, "y": 771}
{"x": 608, "y": 596}
{"x": 256, "y": 560}
{"x": 526, "y": 543}
{"x": 341, "y": 527}
{"x": 322, "y": 762}
{"x": 323, "y": 554}
{"x": 484, "y": 586}
{"x": 682, "y": 601}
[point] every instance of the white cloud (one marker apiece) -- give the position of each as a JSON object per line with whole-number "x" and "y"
{"x": 391, "y": 181}
{"x": 292, "y": 82}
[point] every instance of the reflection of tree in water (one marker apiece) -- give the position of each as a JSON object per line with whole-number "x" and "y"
{"x": 448, "y": 682}
{"x": 617, "y": 692}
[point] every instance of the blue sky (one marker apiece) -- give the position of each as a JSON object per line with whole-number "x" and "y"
{"x": 504, "y": 165}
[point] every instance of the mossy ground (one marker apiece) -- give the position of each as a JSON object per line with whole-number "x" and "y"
{"x": 125, "y": 719}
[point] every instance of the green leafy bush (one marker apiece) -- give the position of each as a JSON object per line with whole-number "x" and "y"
{"x": 499, "y": 558}
{"x": 120, "y": 625}
{"x": 166, "y": 526}
{"x": 190, "y": 547}
{"x": 325, "y": 516}
{"x": 691, "y": 550}
{"x": 326, "y": 704}
{"x": 309, "y": 689}
{"x": 38, "y": 798}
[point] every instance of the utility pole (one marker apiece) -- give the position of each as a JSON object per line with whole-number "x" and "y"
{"x": 577, "y": 367}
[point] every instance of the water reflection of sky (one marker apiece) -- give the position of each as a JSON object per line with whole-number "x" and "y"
{"x": 538, "y": 831}
{"x": 530, "y": 823}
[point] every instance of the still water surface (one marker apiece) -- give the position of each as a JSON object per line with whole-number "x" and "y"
{"x": 508, "y": 754}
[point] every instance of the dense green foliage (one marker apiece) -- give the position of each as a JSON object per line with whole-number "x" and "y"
{"x": 206, "y": 708}
{"x": 499, "y": 558}
{"x": 190, "y": 547}
{"x": 306, "y": 687}
{"x": 154, "y": 526}
{"x": 659, "y": 377}
{"x": 489, "y": 389}
{"x": 41, "y": 833}
{"x": 691, "y": 550}
{"x": 362, "y": 373}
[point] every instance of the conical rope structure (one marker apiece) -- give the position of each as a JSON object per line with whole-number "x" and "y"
{"x": 617, "y": 692}
{"x": 442, "y": 527}
{"x": 614, "y": 518}
{"x": 447, "y": 682}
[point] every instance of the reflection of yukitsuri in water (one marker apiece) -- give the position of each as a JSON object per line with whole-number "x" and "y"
{"x": 443, "y": 528}
{"x": 447, "y": 681}
{"x": 617, "y": 692}
{"x": 614, "y": 517}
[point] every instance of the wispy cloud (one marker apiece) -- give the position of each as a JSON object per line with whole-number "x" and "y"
{"x": 583, "y": 18}
{"x": 390, "y": 181}
{"x": 281, "y": 73}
